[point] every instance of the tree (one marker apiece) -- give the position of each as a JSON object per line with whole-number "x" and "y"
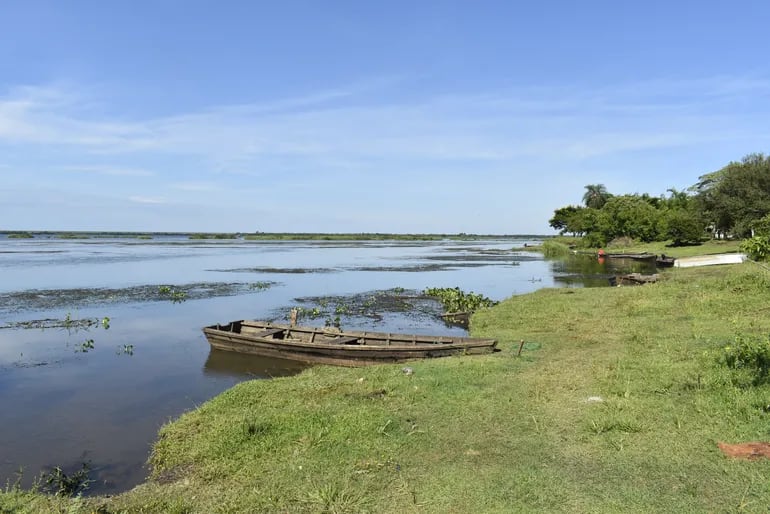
{"x": 575, "y": 220}
{"x": 683, "y": 226}
{"x": 561, "y": 217}
{"x": 629, "y": 216}
{"x": 596, "y": 196}
{"x": 736, "y": 196}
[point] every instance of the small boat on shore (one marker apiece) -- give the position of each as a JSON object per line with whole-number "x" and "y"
{"x": 633, "y": 256}
{"x": 348, "y": 348}
{"x": 662, "y": 261}
{"x": 710, "y": 260}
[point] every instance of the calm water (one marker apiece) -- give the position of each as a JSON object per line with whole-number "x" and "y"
{"x": 61, "y": 406}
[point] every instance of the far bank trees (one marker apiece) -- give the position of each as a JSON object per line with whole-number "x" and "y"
{"x": 729, "y": 202}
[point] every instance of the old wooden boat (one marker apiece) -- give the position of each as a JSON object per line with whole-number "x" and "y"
{"x": 348, "y": 348}
{"x": 633, "y": 256}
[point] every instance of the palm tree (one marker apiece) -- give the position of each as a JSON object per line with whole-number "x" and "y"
{"x": 596, "y": 196}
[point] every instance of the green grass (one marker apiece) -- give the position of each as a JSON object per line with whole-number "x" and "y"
{"x": 495, "y": 433}
{"x": 708, "y": 247}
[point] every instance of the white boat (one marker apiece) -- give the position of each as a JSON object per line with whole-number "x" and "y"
{"x": 710, "y": 260}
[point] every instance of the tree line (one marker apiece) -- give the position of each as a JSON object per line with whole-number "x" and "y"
{"x": 732, "y": 202}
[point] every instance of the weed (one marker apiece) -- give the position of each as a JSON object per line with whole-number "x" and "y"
{"x": 455, "y": 300}
{"x": 60, "y": 483}
{"x": 748, "y": 352}
{"x": 86, "y": 345}
{"x": 125, "y": 349}
{"x": 175, "y": 295}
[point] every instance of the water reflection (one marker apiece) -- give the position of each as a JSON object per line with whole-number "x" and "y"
{"x": 588, "y": 271}
{"x": 246, "y": 366}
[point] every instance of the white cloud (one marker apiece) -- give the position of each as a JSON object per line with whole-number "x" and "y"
{"x": 330, "y": 127}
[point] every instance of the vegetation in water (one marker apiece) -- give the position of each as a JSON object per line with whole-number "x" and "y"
{"x": 175, "y": 295}
{"x": 455, "y": 300}
{"x": 60, "y": 483}
{"x": 552, "y": 248}
{"x": 212, "y": 236}
{"x": 20, "y": 235}
{"x": 125, "y": 349}
{"x": 86, "y": 345}
{"x": 72, "y": 235}
{"x": 261, "y": 285}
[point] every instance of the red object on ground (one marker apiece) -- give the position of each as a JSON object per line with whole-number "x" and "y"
{"x": 748, "y": 451}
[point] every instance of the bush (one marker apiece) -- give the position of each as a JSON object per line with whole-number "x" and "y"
{"x": 757, "y": 248}
{"x": 555, "y": 249}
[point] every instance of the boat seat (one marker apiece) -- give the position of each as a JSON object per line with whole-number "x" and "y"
{"x": 346, "y": 340}
{"x": 270, "y": 332}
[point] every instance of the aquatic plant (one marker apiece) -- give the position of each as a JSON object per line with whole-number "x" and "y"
{"x": 125, "y": 349}
{"x": 86, "y": 345}
{"x": 555, "y": 249}
{"x": 175, "y": 295}
{"x": 60, "y": 483}
{"x": 333, "y": 322}
{"x": 455, "y": 300}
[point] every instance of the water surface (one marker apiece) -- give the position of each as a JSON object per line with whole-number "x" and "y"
{"x": 62, "y": 406}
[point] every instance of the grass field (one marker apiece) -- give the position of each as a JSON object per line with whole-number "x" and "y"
{"x": 616, "y": 405}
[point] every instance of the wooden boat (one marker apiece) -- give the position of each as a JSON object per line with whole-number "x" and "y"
{"x": 348, "y": 348}
{"x": 664, "y": 262}
{"x": 635, "y": 256}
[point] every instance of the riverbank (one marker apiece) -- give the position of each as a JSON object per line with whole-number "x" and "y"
{"x": 561, "y": 245}
{"x": 617, "y": 403}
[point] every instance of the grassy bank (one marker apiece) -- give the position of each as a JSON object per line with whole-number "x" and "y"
{"x": 617, "y": 405}
{"x": 559, "y": 246}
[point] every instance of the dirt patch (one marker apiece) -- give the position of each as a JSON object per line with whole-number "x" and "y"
{"x": 746, "y": 451}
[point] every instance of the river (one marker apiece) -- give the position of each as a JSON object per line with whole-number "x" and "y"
{"x": 71, "y": 394}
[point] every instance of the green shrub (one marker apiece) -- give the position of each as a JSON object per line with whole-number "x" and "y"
{"x": 757, "y": 248}
{"x": 555, "y": 249}
{"x": 455, "y": 300}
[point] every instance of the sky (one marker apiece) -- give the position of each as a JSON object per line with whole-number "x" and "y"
{"x": 356, "y": 116}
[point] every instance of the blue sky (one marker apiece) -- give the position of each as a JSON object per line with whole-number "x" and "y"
{"x": 351, "y": 116}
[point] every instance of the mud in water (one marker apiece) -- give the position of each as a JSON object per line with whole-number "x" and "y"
{"x": 277, "y": 270}
{"x": 45, "y": 299}
{"x": 353, "y": 309}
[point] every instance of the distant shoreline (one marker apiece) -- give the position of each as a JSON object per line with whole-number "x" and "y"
{"x": 262, "y": 236}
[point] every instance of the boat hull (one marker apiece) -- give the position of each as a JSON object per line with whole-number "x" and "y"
{"x": 311, "y": 345}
